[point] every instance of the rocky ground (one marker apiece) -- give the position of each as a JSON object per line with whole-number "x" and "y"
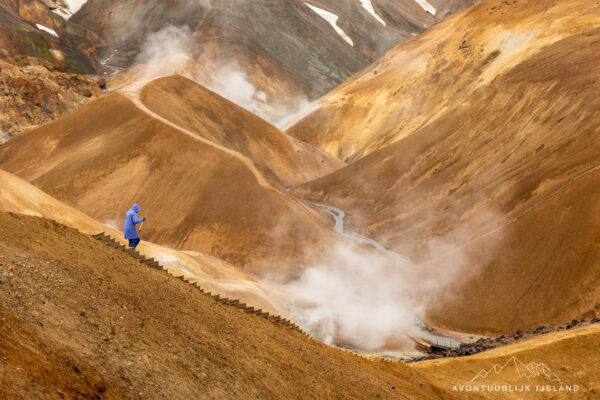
{"x": 80, "y": 320}
{"x": 34, "y": 91}
{"x": 483, "y": 344}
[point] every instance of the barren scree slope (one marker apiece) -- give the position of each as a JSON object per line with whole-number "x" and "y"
{"x": 211, "y": 273}
{"x": 429, "y": 76}
{"x": 503, "y": 174}
{"x": 95, "y": 323}
{"x": 198, "y": 194}
{"x": 285, "y": 47}
{"x": 30, "y": 28}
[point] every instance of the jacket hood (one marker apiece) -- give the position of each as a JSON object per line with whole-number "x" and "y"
{"x": 136, "y": 208}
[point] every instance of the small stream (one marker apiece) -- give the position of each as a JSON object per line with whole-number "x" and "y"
{"x": 424, "y": 333}
{"x": 114, "y": 70}
{"x": 339, "y": 216}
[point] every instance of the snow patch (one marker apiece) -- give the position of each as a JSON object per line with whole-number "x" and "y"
{"x": 63, "y": 13}
{"x": 45, "y": 29}
{"x": 332, "y": 19}
{"x": 426, "y": 6}
{"x": 367, "y": 5}
{"x": 72, "y": 6}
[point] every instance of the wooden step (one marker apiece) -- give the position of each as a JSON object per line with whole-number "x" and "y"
{"x": 152, "y": 263}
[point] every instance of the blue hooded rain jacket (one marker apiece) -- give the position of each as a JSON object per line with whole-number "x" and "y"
{"x": 131, "y": 220}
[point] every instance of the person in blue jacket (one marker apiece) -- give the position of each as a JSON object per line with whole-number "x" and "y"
{"x": 131, "y": 220}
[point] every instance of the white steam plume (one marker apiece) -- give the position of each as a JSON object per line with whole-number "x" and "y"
{"x": 165, "y": 51}
{"x": 232, "y": 83}
{"x": 300, "y": 110}
{"x": 172, "y": 50}
{"x": 360, "y": 300}
{"x": 369, "y": 301}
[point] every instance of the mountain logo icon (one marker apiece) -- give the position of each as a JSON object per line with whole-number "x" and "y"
{"x": 520, "y": 370}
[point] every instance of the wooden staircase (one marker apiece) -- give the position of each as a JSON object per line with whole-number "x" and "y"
{"x": 152, "y": 263}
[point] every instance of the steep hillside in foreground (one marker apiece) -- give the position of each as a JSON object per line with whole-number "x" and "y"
{"x": 217, "y": 276}
{"x": 428, "y": 77}
{"x": 97, "y": 324}
{"x": 197, "y": 194}
{"x": 508, "y": 179}
{"x": 568, "y": 356}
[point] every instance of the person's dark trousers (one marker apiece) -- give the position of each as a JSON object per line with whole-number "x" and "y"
{"x": 134, "y": 242}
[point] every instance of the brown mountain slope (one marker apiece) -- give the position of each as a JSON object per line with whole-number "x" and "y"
{"x": 285, "y": 47}
{"x": 447, "y": 8}
{"x": 217, "y": 276}
{"x": 207, "y": 114}
{"x": 512, "y": 149}
{"x": 197, "y": 194}
{"x": 40, "y": 73}
{"x": 546, "y": 269}
{"x": 34, "y": 91}
{"x": 81, "y": 320}
{"x": 567, "y": 356}
{"x": 427, "y": 77}
{"x": 71, "y": 48}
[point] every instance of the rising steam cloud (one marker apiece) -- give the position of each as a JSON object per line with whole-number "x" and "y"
{"x": 171, "y": 50}
{"x": 176, "y": 50}
{"x": 232, "y": 83}
{"x": 165, "y": 51}
{"x": 358, "y": 298}
{"x": 365, "y": 300}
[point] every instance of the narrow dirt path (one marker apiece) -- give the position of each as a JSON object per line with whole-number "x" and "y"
{"x": 133, "y": 93}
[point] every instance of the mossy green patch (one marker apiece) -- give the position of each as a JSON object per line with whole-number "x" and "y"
{"x": 26, "y": 28}
{"x": 74, "y": 67}
{"x": 32, "y": 45}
